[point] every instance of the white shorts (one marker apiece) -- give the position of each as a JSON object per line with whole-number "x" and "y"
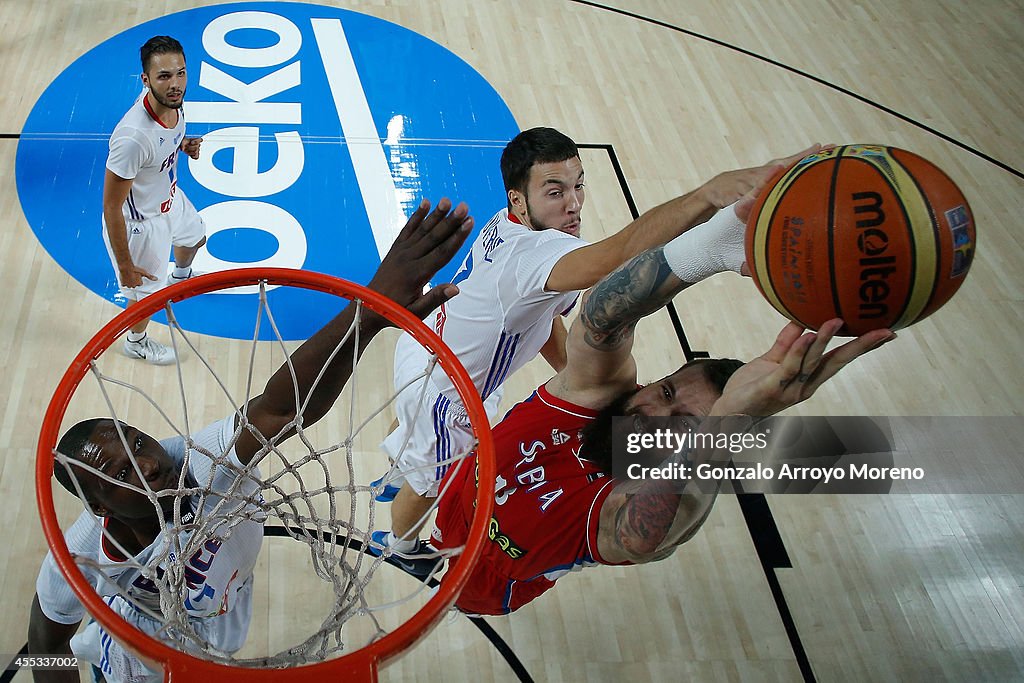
{"x": 150, "y": 241}
{"x": 93, "y": 644}
{"x": 435, "y": 426}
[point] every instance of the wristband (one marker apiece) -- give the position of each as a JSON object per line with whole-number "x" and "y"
{"x": 712, "y": 247}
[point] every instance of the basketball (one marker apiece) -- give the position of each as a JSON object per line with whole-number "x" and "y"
{"x": 875, "y": 235}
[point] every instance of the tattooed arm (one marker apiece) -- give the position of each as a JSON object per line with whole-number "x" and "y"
{"x": 599, "y": 361}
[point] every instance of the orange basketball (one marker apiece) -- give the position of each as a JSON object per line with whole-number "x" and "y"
{"x": 871, "y": 234}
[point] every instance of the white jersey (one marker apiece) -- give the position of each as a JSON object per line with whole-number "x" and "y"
{"x": 220, "y": 563}
{"x": 502, "y": 315}
{"x": 145, "y": 151}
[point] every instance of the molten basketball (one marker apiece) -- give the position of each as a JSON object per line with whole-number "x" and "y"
{"x": 871, "y": 234}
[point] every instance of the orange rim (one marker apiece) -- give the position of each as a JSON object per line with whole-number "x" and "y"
{"x": 178, "y": 665}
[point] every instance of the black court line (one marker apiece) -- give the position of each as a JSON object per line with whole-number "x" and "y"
{"x": 688, "y": 353}
{"x": 811, "y": 77}
{"x": 503, "y": 648}
{"x": 8, "y": 674}
{"x": 9, "y": 136}
{"x": 771, "y": 550}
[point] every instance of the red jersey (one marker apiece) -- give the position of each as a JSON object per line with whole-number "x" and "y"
{"x": 547, "y": 504}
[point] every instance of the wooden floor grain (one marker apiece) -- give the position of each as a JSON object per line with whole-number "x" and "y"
{"x": 900, "y": 588}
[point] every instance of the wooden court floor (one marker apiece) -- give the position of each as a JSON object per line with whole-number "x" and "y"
{"x": 887, "y": 588}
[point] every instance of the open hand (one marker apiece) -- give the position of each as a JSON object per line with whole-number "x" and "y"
{"x": 726, "y": 188}
{"x": 426, "y": 243}
{"x": 793, "y": 369}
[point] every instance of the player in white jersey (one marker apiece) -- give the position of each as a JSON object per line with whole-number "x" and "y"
{"x": 144, "y": 212}
{"x": 524, "y": 272}
{"x": 220, "y": 563}
{"x": 220, "y": 567}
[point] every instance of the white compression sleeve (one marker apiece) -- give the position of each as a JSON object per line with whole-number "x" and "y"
{"x": 712, "y": 247}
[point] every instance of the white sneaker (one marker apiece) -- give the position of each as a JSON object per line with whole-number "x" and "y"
{"x": 171, "y": 280}
{"x": 150, "y": 351}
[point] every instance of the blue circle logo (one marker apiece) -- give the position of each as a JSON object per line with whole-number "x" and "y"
{"x": 323, "y": 129}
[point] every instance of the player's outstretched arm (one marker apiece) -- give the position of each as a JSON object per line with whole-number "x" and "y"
{"x": 644, "y": 521}
{"x": 47, "y": 637}
{"x": 426, "y": 243}
{"x": 793, "y": 369}
{"x": 582, "y": 268}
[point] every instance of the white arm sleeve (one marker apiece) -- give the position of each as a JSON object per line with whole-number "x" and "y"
{"x": 712, "y": 247}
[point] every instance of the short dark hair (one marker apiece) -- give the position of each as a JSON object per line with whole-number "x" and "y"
{"x": 596, "y": 435}
{"x": 534, "y": 146}
{"x": 717, "y": 371}
{"x": 159, "y": 45}
{"x": 71, "y": 445}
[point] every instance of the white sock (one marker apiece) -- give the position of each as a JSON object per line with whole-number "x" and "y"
{"x": 136, "y": 337}
{"x": 181, "y": 273}
{"x": 400, "y": 546}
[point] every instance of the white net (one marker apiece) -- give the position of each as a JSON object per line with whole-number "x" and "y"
{"x": 306, "y": 602}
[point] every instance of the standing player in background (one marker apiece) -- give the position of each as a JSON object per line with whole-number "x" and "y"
{"x": 144, "y": 212}
{"x": 116, "y": 465}
{"x": 557, "y": 506}
{"x": 524, "y": 271}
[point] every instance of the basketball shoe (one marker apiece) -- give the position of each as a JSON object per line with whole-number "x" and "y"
{"x": 419, "y": 562}
{"x": 171, "y": 280}
{"x": 387, "y": 494}
{"x": 150, "y": 351}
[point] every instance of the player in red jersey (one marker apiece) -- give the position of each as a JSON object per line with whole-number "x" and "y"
{"x": 557, "y": 507}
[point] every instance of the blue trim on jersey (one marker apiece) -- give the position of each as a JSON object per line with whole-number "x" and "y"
{"x": 105, "y": 641}
{"x": 501, "y": 362}
{"x": 442, "y": 446}
{"x": 579, "y": 562}
{"x": 494, "y": 361}
{"x": 506, "y": 602}
{"x": 130, "y": 202}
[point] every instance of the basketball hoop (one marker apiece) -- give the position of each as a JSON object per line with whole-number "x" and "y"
{"x": 361, "y": 664}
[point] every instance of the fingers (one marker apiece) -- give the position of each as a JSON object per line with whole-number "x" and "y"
{"x": 793, "y": 158}
{"x": 426, "y": 229}
{"x": 798, "y": 364}
{"x": 442, "y": 252}
{"x": 746, "y": 203}
{"x": 435, "y": 217}
{"x": 449, "y": 226}
{"x": 789, "y": 334}
{"x": 841, "y": 356}
{"x": 432, "y": 299}
{"x": 426, "y": 243}
{"x": 414, "y": 221}
{"x": 744, "y": 206}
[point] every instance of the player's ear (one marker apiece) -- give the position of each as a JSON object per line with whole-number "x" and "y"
{"x": 517, "y": 200}
{"x": 145, "y": 79}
